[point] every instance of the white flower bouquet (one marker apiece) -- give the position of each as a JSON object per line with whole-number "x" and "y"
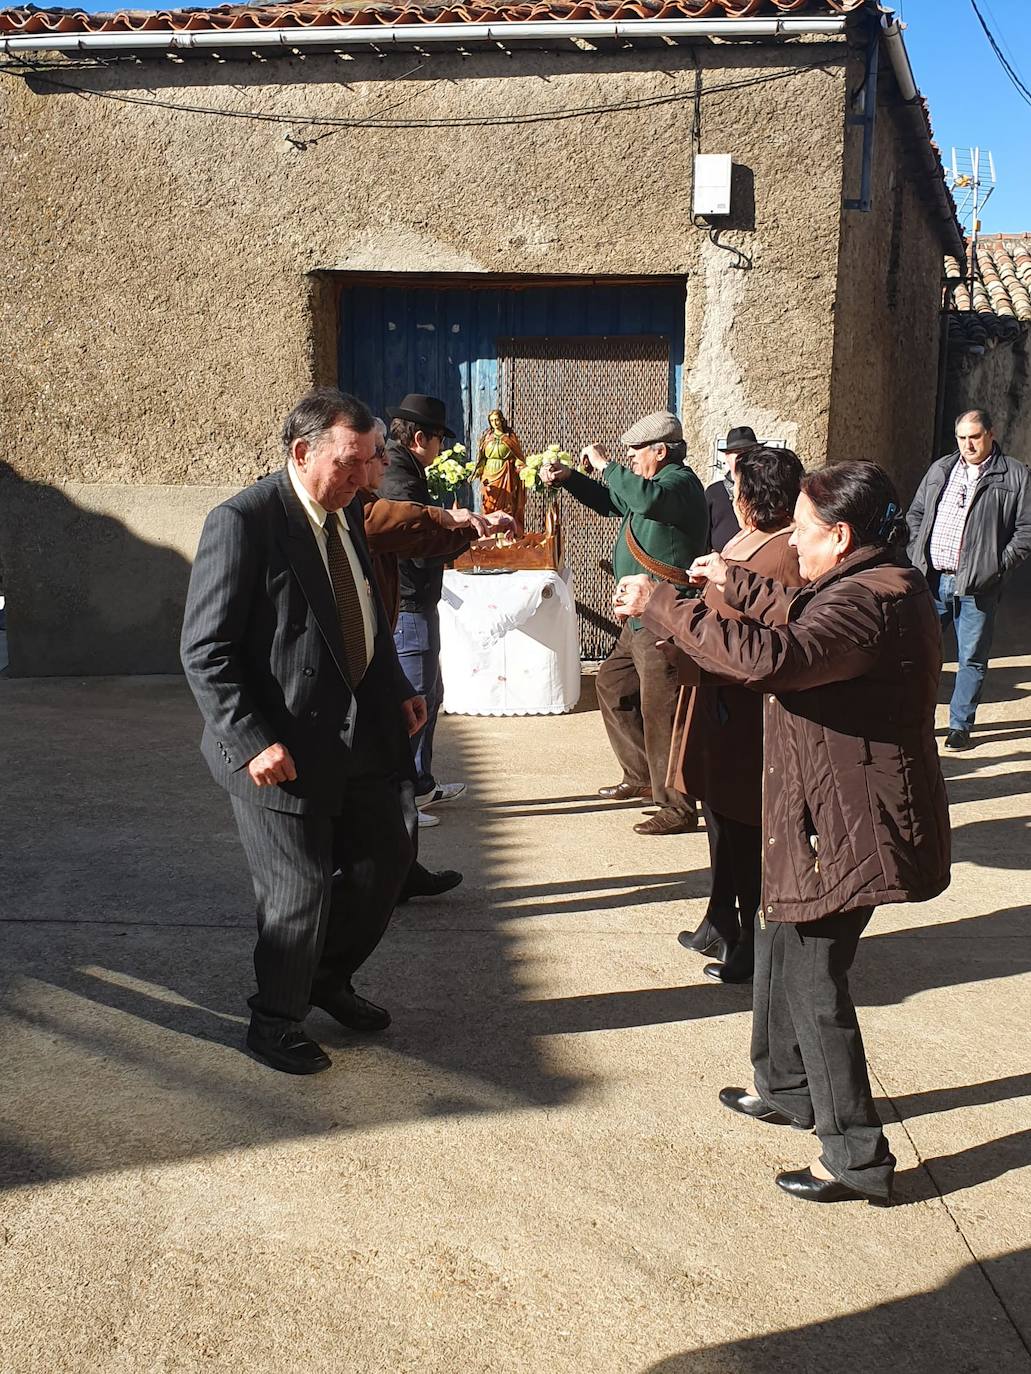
{"x": 448, "y": 471}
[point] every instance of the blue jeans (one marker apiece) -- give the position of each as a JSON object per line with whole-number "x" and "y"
{"x": 417, "y": 640}
{"x": 974, "y": 620}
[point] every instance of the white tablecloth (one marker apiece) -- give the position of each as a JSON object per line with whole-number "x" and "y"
{"x": 509, "y": 644}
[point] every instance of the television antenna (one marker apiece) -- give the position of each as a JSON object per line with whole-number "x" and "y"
{"x": 972, "y": 181}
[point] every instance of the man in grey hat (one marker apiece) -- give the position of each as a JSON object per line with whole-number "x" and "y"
{"x": 664, "y": 519}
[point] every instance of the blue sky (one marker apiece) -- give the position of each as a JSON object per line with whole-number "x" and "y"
{"x": 971, "y": 98}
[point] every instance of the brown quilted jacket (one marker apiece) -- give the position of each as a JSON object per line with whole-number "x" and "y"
{"x": 854, "y": 806}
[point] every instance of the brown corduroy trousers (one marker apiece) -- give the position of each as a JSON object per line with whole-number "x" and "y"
{"x": 637, "y": 694}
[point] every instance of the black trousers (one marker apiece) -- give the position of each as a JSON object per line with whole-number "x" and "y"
{"x": 637, "y": 694}
{"x": 735, "y": 859}
{"x": 807, "y": 1049}
{"x": 314, "y": 929}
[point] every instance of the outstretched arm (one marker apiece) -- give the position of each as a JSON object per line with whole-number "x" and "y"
{"x": 839, "y": 639}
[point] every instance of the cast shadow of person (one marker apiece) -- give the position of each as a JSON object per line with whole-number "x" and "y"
{"x": 955, "y": 1327}
{"x": 85, "y": 595}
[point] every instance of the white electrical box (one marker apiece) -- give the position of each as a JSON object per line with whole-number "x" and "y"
{"x": 712, "y": 183}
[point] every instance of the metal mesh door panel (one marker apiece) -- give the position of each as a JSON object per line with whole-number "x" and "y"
{"x": 572, "y": 391}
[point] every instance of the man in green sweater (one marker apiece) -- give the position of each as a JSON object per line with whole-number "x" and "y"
{"x": 664, "y": 519}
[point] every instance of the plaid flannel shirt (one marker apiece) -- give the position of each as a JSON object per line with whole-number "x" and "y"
{"x": 951, "y": 515}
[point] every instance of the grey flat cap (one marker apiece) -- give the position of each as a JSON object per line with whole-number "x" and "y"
{"x": 658, "y": 428}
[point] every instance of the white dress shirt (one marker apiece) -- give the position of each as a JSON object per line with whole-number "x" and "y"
{"x": 317, "y": 519}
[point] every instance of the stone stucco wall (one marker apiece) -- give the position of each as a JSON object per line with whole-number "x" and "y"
{"x": 886, "y": 352}
{"x": 169, "y": 275}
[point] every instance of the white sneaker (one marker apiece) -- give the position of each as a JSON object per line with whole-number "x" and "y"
{"x": 444, "y": 791}
{"x": 425, "y": 820}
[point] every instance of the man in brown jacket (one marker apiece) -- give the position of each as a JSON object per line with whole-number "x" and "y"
{"x": 406, "y": 529}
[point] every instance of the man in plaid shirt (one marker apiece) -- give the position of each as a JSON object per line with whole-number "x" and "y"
{"x": 970, "y": 525}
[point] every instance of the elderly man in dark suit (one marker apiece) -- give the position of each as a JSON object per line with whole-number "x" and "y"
{"x": 288, "y": 651}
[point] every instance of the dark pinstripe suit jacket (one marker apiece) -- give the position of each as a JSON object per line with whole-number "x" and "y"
{"x": 264, "y": 657}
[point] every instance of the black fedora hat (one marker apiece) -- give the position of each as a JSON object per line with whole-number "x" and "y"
{"x": 739, "y": 439}
{"x": 426, "y": 411}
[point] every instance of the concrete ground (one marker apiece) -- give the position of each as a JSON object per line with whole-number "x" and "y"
{"x": 530, "y": 1169}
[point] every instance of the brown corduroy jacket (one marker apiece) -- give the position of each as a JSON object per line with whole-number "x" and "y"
{"x": 404, "y": 529}
{"x": 854, "y": 806}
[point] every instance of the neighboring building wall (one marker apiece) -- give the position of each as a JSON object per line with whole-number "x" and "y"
{"x": 997, "y": 379}
{"x": 887, "y": 354}
{"x": 170, "y": 290}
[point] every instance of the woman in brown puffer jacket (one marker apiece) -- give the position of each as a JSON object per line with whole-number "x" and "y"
{"x": 854, "y": 806}
{"x": 716, "y": 753}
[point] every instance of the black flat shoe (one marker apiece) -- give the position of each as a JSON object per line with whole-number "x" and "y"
{"x": 352, "y": 1011}
{"x": 803, "y": 1184}
{"x": 289, "y": 1051}
{"x": 740, "y": 1100}
{"x": 422, "y": 883}
{"x": 736, "y": 968}
{"x": 706, "y": 940}
{"x": 958, "y": 739}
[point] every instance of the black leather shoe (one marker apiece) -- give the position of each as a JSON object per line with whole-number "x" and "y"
{"x": 706, "y": 941}
{"x": 958, "y": 739}
{"x": 717, "y": 948}
{"x": 736, "y": 968}
{"x": 422, "y": 883}
{"x": 803, "y": 1184}
{"x": 352, "y": 1011}
{"x": 740, "y": 1100}
{"x": 624, "y": 791}
{"x": 290, "y": 1051}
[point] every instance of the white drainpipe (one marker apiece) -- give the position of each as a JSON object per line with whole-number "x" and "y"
{"x": 423, "y": 35}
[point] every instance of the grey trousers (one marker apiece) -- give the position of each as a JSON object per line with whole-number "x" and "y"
{"x": 314, "y": 929}
{"x": 807, "y": 1049}
{"x": 637, "y": 694}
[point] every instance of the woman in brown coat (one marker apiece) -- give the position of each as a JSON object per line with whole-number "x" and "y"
{"x": 854, "y": 808}
{"x": 717, "y": 748}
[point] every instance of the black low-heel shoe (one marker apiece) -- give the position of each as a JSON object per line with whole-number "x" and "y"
{"x": 740, "y": 1100}
{"x": 736, "y": 968}
{"x": 803, "y": 1184}
{"x": 706, "y": 940}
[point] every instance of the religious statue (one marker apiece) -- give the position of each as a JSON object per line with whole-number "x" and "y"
{"x": 499, "y": 461}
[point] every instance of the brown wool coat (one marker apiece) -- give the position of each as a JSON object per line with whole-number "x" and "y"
{"x": 717, "y": 750}
{"x": 854, "y": 806}
{"x": 404, "y": 529}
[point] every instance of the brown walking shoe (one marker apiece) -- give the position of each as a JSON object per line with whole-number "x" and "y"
{"x": 668, "y": 822}
{"x": 623, "y": 791}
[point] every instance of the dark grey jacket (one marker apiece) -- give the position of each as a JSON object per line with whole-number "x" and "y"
{"x": 264, "y": 656}
{"x": 997, "y": 534}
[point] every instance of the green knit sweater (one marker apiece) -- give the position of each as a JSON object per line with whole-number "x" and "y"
{"x": 670, "y": 518}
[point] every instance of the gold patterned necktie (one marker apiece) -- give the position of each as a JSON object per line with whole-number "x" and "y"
{"x": 349, "y": 607}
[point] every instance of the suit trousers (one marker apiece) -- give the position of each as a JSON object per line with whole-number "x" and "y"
{"x": 637, "y": 694}
{"x": 314, "y": 929}
{"x": 807, "y": 1049}
{"x": 735, "y": 859}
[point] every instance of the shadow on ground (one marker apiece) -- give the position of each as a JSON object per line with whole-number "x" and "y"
{"x": 915, "y": 1332}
